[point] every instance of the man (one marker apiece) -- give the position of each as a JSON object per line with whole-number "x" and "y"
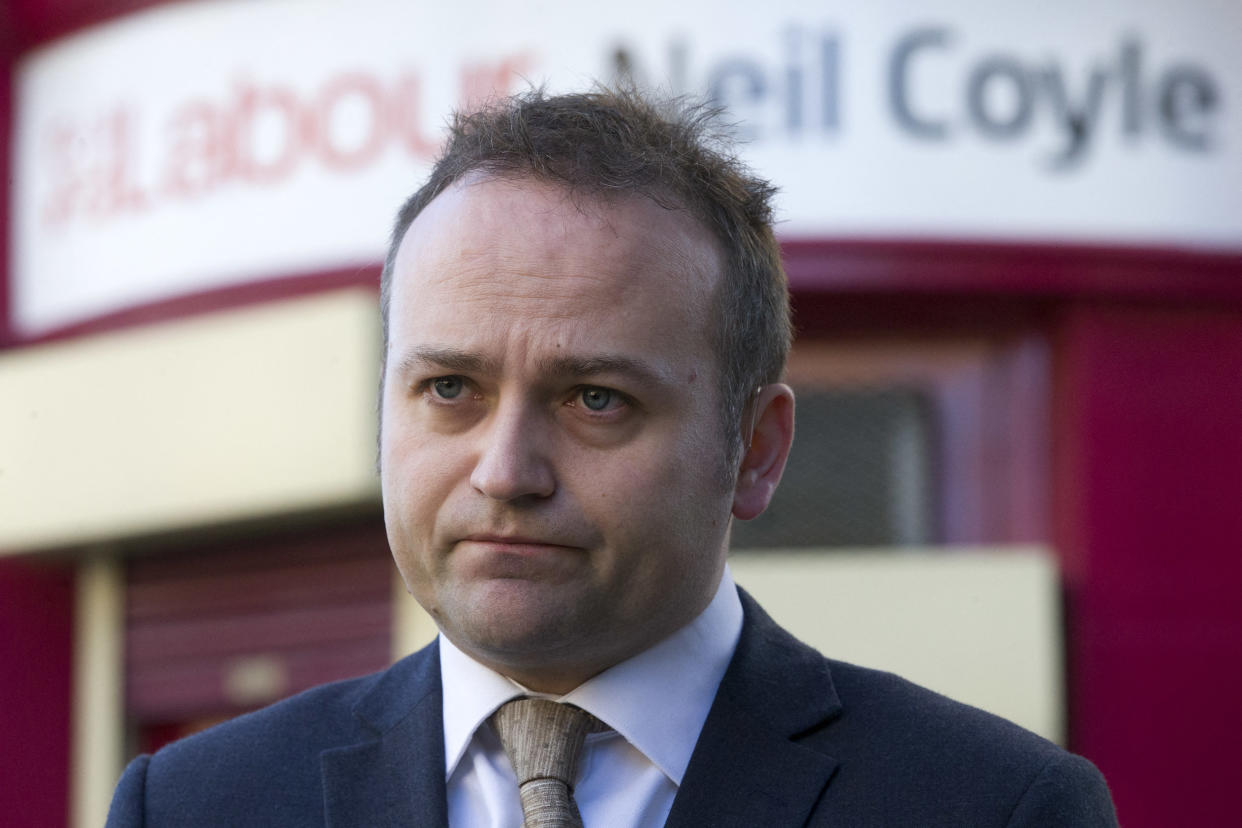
{"x": 586, "y": 323}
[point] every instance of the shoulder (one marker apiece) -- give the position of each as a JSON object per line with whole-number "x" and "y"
{"x": 905, "y": 755}
{"x": 247, "y": 769}
{"x": 932, "y": 760}
{"x": 310, "y": 721}
{"x": 893, "y": 712}
{"x": 262, "y": 764}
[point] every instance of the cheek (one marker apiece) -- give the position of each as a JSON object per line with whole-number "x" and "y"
{"x": 666, "y": 492}
{"x": 409, "y": 517}
{"x": 415, "y": 478}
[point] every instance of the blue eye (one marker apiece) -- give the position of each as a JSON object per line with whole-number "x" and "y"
{"x": 596, "y": 399}
{"x": 447, "y": 387}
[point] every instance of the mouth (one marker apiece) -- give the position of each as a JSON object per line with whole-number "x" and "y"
{"x": 488, "y": 556}
{"x": 515, "y": 543}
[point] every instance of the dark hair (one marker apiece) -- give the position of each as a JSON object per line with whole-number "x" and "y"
{"x": 608, "y": 142}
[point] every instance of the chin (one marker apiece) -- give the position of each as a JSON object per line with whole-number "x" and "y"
{"x": 515, "y": 622}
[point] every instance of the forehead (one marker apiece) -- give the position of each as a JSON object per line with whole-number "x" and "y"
{"x": 528, "y": 248}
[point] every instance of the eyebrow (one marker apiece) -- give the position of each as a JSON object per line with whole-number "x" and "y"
{"x": 457, "y": 360}
{"x": 571, "y": 366}
{"x": 448, "y": 359}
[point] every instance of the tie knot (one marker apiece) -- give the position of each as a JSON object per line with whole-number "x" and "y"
{"x": 543, "y": 738}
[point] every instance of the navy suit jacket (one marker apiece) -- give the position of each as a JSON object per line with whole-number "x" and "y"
{"x": 792, "y": 739}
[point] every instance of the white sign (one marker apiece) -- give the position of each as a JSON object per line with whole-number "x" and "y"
{"x": 199, "y": 145}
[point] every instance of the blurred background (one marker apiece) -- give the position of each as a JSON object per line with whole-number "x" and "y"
{"x": 1014, "y": 240}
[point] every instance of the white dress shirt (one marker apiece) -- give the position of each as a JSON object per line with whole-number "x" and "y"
{"x": 656, "y": 703}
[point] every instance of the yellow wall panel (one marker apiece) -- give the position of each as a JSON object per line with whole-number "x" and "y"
{"x": 982, "y": 626}
{"x": 221, "y": 417}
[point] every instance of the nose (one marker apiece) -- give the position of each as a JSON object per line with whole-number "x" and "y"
{"x": 513, "y": 460}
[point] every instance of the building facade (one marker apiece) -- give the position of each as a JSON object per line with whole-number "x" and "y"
{"x": 1014, "y": 243}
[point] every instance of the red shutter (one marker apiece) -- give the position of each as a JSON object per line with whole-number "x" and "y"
{"x": 221, "y": 630}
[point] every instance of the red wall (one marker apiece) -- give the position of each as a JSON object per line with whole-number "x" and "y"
{"x": 34, "y": 22}
{"x": 36, "y": 602}
{"x": 1149, "y": 490}
{"x": 36, "y": 612}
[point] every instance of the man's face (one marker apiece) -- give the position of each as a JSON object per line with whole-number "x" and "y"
{"x": 551, "y": 430}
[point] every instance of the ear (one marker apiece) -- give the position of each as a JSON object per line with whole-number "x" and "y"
{"x": 767, "y": 449}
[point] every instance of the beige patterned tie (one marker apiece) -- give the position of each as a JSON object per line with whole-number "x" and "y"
{"x": 542, "y": 740}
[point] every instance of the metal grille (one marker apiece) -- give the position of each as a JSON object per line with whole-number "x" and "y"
{"x": 860, "y": 473}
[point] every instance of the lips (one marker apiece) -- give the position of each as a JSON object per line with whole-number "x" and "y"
{"x": 528, "y": 558}
{"x": 517, "y": 542}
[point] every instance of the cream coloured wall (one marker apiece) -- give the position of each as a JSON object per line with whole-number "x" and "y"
{"x": 231, "y": 415}
{"x": 981, "y": 625}
{"x": 97, "y": 745}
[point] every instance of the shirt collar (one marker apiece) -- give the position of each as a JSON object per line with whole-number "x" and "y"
{"x": 683, "y": 671}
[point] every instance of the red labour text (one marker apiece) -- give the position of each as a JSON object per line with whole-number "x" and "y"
{"x": 258, "y": 135}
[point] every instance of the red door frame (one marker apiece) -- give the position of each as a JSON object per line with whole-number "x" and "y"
{"x": 36, "y": 607}
{"x": 36, "y": 635}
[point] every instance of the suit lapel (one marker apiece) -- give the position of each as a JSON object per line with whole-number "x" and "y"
{"x": 395, "y": 778}
{"x": 752, "y": 764}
